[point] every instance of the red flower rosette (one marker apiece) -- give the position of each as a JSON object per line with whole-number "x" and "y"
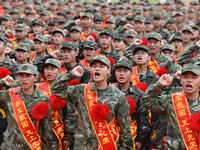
{"x": 195, "y": 121}
{"x": 112, "y": 62}
{"x": 141, "y": 86}
{"x": 56, "y": 102}
{"x": 144, "y": 42}
{"x": 100, "y": 112}
{"x": 4, "y": 72}
{"x": 38, "y": 112}
{"x": 132, "y": 103}
{"x": 74, "y": 82}
{"x": 194, "y": 55}
{"x": 94, "y": 36}
{"x": 162, "y": 71}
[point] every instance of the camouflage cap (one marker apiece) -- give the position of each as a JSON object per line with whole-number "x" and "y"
{"x": 63, "y": 21}
{"x": 69, "y": 44}
{"x": 130, "y": 17}
{"x": 79, "y": 4}
{"x": 6, "y": 7}
{"x": 157, "y": 16}
{"x": 61, "y": 13}
{"x": 59, "y": 31}
{"x": 3, "y": 38}
{"x": 139, "y": 18}
{"x": 198, "y": 22}
{"x": 52, "y": 22}
{"x": 102, "y": 59}
{"x": 90, "y": 44}
{"x": 168, "y": 2}
{"x": 111, "y": 20}
{"x": 171, "y": 20}
{"x": 191, "y": 10}
{"x": 191, "y": 68}
{"x": 28, "y": 7}
{"x": 45, "y": 12}
{"x": 152, "y": 7}
{"x": 145, "y": 9}
{"x": 155, "y": 35}
{"x": 114, "y": 7}
{"x": 98, "y": 18}
{"x": 176, "y": 37}
{"x": 21, "y": 20}
{"x": 23, "y": 46}
{"x": 187, "y": 28}
{"x": 148, "y": 20}
{"x": 61, "y": 3}
{"x": 124, "y": 63}
{"x": 6, "y": 17}
{"x": 41, "y": 38}
{"x": 37, "y": 22}
{"x": 53, "y": 62}
{"x": 27, "y": 68}
{"x": 2, "y": 28}
{"x": 130, "y": 33}
{"x": 53, "y": 3}
{"x": 141, "y": 47}
{"x": 194, "y": 2}
{"x": 139, "y": 11}
{"x": 178, "y": 13}
{"x": 194, "y": 27}
{"x": 106, "y": 31}
{"x": 168, "y": 47}
{"x": 89, "y": 15}
{"x": 20, "y": 27}
{"x": 104, "y": 5}
{"x": 68, "y": 11}
{"x": 14, "y": 11}
{"x": 77, "y": 28}
{"x": 118, "y": 37}
{"x": 30, "y": 12}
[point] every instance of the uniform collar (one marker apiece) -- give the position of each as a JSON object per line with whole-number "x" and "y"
{"x": 108, "y": 90}
{"x": 34, "y": 95}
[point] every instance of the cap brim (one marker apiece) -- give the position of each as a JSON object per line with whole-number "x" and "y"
{"x": 28, "y": 72}
{"x": 100, "y": 60}
{"x": 194, "y": 71}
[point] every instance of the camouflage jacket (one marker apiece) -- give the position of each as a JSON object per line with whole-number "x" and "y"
{"x": 162, "y": 60}
{"x": 185, "y": 56}
{"x": 10, "y": 65}
{"x": 140, "y": 114}
{"x": 149, "y": 78}
{"x": 85, "y": 137}
{"x": 113, "y": 54}
{"x": 13, "y": 139}
{"x": 163, "y": 104}
{"x": 39, "y": 62}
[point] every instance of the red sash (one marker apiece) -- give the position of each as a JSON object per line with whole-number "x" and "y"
{"x": 134, "y": 78}
{"x": 58, "y": 127}
{"x": 83, "y": 36}
{"x": 153, "y": 65}
{"x": 33, "y": 56}
{"x": 182, "y": 112}
{"x": 101, "y": 129}
{"x": 24, "y": 122}
{"x": 14, "y": 43}
{"x": 44, "y": 87}
{"x": 98, "y": 53}
{"x": 84, "y": 63}
{"x": 182, "y": 49}
{"x": 175, "y": 59}
{"x": 133, "y": 129}
{"x": 62, "y": 68}
{"x": 31, "y": 37}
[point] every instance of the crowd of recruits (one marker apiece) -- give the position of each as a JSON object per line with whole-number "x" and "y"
{"x": 132, "y": 38}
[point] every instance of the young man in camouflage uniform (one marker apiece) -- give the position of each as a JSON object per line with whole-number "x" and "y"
{"x": 6, "y": 62}
{"x": 176, "y": 137}
{"x": 22, "y": 53}
{"x": 18, "y": 130}
{"x": 104, "y": 93}
{"x": 123, "y": 73}
{"x": 67, "y": 113}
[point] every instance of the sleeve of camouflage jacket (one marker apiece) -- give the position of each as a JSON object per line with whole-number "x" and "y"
{"x": 61, "y": 89}
{"x": 39, "y": 62}
{"x": 123, "y": 121}
{"x": 128, "y": 53}
{"x": 153, "y": 99}
{"x": 70, "y": 121}
{"x": 144, "y": 128}
{"x": 173, "y": 67}
{"x": 185, "y": 56}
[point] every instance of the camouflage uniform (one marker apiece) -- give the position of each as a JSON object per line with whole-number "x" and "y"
{"x": 141, "y": 115}
{"x": 10, "y": 65}
{"x": 185, "y": 56}
{"x": 13, "y": 137}
{"x": 85, "y": 137}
